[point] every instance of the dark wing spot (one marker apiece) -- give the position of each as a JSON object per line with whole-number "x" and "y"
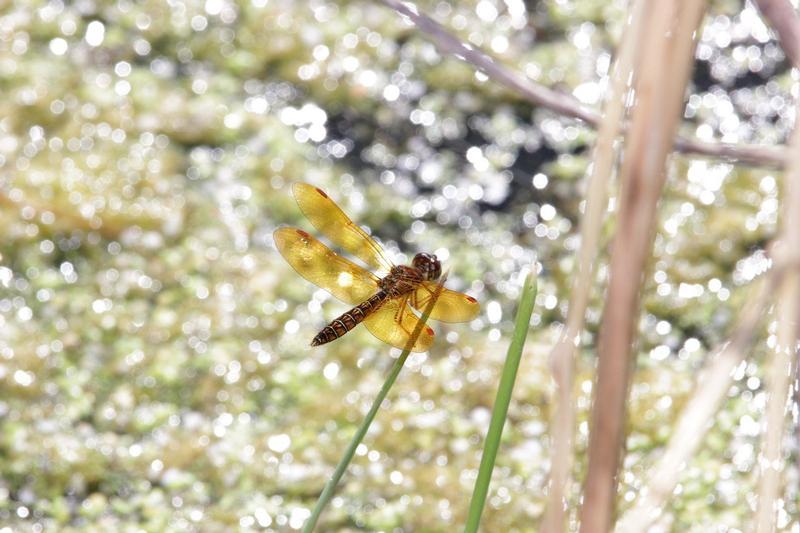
{"x": 303, "y": 234}
{"x": 471, "y": 300}
{"x": 428, "y": 330}
{"x": 321, "y": 192}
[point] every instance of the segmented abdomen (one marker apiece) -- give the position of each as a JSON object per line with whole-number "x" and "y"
{"x": 349, "y": 320}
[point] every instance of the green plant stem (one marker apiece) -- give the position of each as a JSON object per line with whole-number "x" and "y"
{"x": 501, "y": 403}
{"x": 344, "y": 462}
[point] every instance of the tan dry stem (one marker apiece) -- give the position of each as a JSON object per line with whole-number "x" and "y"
{"x": 566, "y": 104}
{"x": 663, "y": 71}
{"x": 779, "y": 374}
{"x": 783, "y": 18}
{"x": 562, "y": 357}
{"x": 713, "y": 384}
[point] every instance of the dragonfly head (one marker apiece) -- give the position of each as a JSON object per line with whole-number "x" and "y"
{"x": 429, "y": 265}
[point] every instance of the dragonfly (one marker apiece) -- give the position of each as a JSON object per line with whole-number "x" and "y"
{"x": 385, "y": 304}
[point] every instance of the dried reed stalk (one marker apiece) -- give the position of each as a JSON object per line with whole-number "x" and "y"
{"x": 716, "y": 378}
{"x": 562, "y": 357}
{"x": 566, "y": 104}
{"x": 713, "y": 384}
{"x": 663, "y": 71}
{"x": 779, "y": 374}
{"x": 784, "y": 19}
{"x": 782, "y": 16}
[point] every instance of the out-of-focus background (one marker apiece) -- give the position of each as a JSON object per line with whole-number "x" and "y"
{"x": 154, "y": 361}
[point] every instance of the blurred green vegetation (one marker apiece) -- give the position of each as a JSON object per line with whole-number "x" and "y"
{"x": 154, "y": 367}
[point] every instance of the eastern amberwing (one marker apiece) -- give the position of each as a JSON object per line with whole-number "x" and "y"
{"x": 384, "y": 304}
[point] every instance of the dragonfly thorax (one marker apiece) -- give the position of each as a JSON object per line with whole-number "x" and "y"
{"x": 401, "y": 280}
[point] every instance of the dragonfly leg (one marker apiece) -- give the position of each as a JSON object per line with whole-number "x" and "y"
{"x": 421, "y": 302}
{"x": 412, "y": 299}
{"x": 398, "y": 316}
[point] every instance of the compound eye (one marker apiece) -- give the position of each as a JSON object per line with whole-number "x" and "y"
{"x": 428, "y": 264}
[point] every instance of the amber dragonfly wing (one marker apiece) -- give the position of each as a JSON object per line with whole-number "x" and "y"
{"x": 394, "y": 322}
{"x": 332, "y": 222}
{"x": 451, "y": 306}
{"x": 325, "y": 268}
